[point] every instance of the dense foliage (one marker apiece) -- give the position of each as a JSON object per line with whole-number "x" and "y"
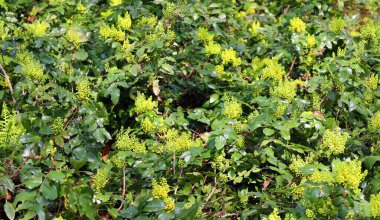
{"x": 134, "y": 109}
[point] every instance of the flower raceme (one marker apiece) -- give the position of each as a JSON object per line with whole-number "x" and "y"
{"x": 38, "y": 28}
{"x": 229, "y": 56}
{"x": 374, "y": 122}
{"x": 273, "y": 70}
{"x": 143, "y": 105}
{"x": 213, "y": 49}
{"x": 124, "y": 23}
{"x": 31, "y": 68}
{"x": 286, "y": 89}
{"x": 205, "y": 36}
{"x": 297, "y": 25}
{"x": 83, "y": 89}
{"x": 107, "y": 32}
{"x": 232, "y": 109}
{"x": 125, "y": 141}
{"x": 100, "y": 179}
{"x": 334, "y": 141}
{"x": 160, "y": 189}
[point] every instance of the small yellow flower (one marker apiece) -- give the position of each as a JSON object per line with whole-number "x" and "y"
{"x": 229, "y": 56}
{"x": 160, "y": 189}
{"x": 213, "y": 49}
{"x": 232, "y": 109}
{"x": 296, "y": 24}
{"x": 374, "y": 205}
{"x": 169, "y": 204}
{"x": 38, "y": 28}
{"x": 374, "y": 122}
{"x": 310, "y": 40}
{"x": 143, "y": 105}
{"x": 254, "y": 28}
{"x": 125, "y": 22}
{"x": 83, "y": 89}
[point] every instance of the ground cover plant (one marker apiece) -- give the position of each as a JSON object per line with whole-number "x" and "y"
{"x": 212, "y": 109}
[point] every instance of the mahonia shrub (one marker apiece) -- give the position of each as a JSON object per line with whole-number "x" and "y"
{"x": 225, "y": 109}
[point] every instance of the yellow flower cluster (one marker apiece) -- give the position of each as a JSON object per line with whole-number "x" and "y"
{"x": 374, "y": 123}
{"x": 150, "y": 21}
{"x": 178, "y": 142}
{"x": 115, "y": 2}
{"x": 274, "y": 215}
{"x": 232, "y": 108}
{"x": 57, "y": 126}
{"x": 219, "y": 69}
{"x": 100, "y": 179}
{"x": 160, "y": 189}
{"x": 143, "y": 105}
{"x": 310, "y": 213}
{"x": 229, "y": 56}
{"x": 296, "y": 163}
{"x": 280, "y": 110}
{"x": 124, "y": 23}
{"x": 205, "y": 36}
{"x": 368, "y": 96}
{"x": 320, "y": 176}
{"x": 119, "y": 163}
{"x": 147, "y": 125}
{"x": 31, "y": 68}
{"x": 337, "y": 25}
{"x": 124, "y": 141}
{"x": 220, "y": 162}
{"x": 310, "y": 40}
{"x": 341, "y": 52}
{"x": 10, "y": 129}
{"x": 273, "y": 70}
{"x": 107, "y": 32}
{"x": 374, "y": 205}
{"x": 169, "y": 10}
{"x": 286, "y": 89}
{"x": 83, "y": 89}
{"x": 38, "y": 28}
{"x": 370, "y": 31}
{"x": 334, "y": 141}
{"x": 348, "y": 173}
{"x": 296, "y": 24}
{"x": 372, "y": 81}
{"x": 213, "y": 49}
{"x": 254, "y": 28}
{"x": 74, "y": 37}
{"x": 169, "y": 204}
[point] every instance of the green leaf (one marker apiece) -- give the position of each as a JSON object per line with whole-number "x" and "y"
{"x": 57, "y": 176}
{"x": 40, "y": 211}
{"x": 154, "y": 205}
{"x": 33, "y": 182}
{"x": 220, "y": 141}
{"x": 268, "y": 131}
{"x": 9, "y": 210}
{"x": 87, "y": 208}
{"x": 49, "y": 191}
{"x": 370, "y": 161}
{"x": 81, "y": 55}
{"x": 168, "y": 68}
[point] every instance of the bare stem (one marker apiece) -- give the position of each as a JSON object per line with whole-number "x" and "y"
{"x": 5, "y": 75}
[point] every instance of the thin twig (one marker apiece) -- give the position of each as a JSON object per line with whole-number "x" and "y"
{"x": 212, "y": 193}
{"x": 291, "y": 66}
{"x": 323, "y": 100}
{"x": 19, "y": 168}
{"x": 230, "y": 215}
{"x": 123, "y": 193}
{"x": 286, "y": 9}
{"x": 71, "y": 118}
{"x": 8, "y": 82}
